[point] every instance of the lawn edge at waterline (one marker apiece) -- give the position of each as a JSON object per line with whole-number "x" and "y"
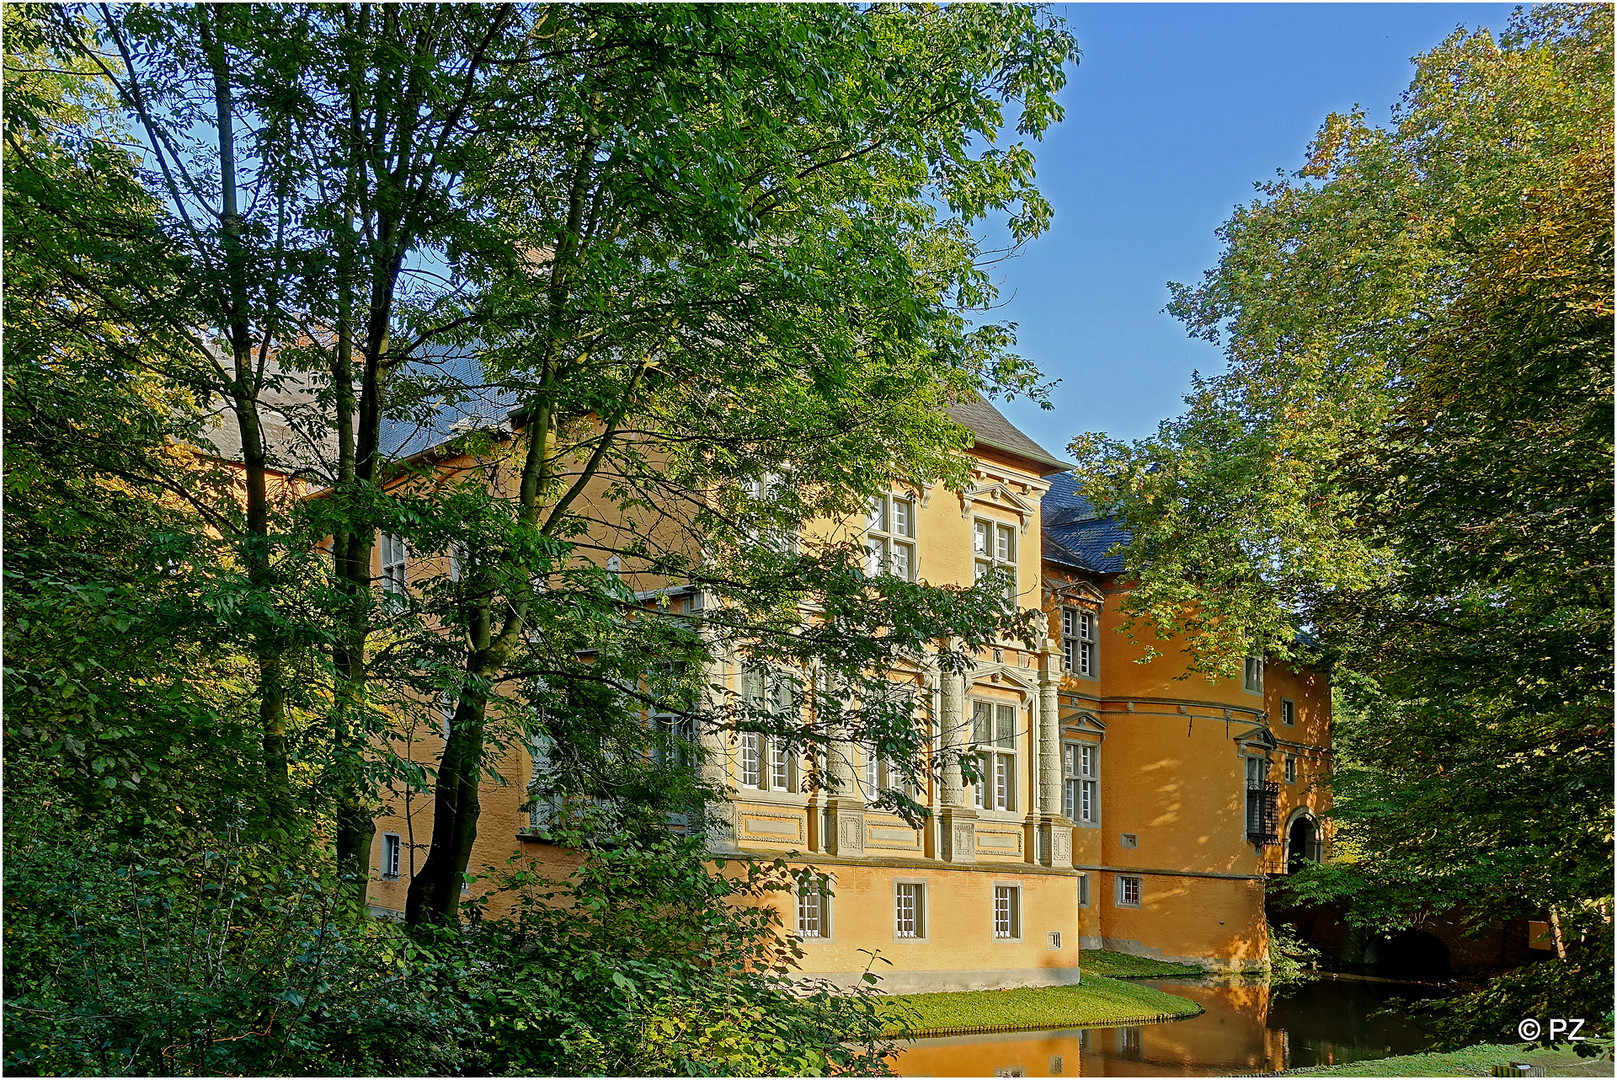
{"x": 1098, "y": 1001}
{"x": 1469, "y": 1061}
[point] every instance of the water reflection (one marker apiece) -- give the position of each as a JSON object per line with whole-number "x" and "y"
{"x": 1247, "y": 1027}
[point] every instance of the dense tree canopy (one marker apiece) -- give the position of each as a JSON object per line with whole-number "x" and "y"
{"x": 1410, "y": 456}
{"x": 713, "y": 264}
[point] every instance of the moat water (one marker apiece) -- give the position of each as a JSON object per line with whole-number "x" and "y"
{"x": 1248, "y": 1026}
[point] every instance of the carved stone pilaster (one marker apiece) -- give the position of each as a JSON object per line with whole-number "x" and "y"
{"x": 847, "y": 831}
{"x": 1055, "y": 842}
{"x": 957, "y": 835}
{"x": 1049, "y": 731}
{"x": 952, "y": 735}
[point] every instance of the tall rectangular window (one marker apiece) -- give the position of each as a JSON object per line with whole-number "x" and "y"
{"x": 766, "y": 761}
{"x": 1291, "y": 769}
{"x": 395, "y": 570}
{"x": 1128, "y": 891}
{"x": 1083, "y": 890}
{"x": 1078, "y": 641}
{"x": 1007, "y": 911}
{"x": 1288, "y": 712}
{"x": 993, "y": 729}
{"x": 890, "y": 537}
{"x": 813, "y": 908}
{"x": 392, "y": 848}
{"x": 1252, "y": 674}
{"x": 1080, "y": 796}
{"x": 909, "y": 909}
{"x": 994, "y": 548}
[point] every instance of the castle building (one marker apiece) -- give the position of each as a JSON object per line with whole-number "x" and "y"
{"x": 1117, "y": 803}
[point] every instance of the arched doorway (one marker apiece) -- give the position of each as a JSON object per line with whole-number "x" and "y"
{"x": 1408, "y": 954}
{"x": 1304, "y": 844}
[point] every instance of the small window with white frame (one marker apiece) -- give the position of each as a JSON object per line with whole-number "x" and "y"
{"x": 1291, "y": 769}
{"x": 767, "y": 489}
{"x": 890, "y": 537}
{"x": 994, "y": 548}
{"x": 814, "y": 908}
{"x": 993, "y": 734}
{"x": 909, "y": 909}
{"x": 392, "y": 855}
{"x": 1007, "y": 912}
{"x": 1128, "y": 890}
{"x": 1288, "y": 712}
{"x": 395, "y": 564}
{"x": 1078, "y": 642}
{"x": 1080, "y": 794}
{"x": 1252, "y": 675}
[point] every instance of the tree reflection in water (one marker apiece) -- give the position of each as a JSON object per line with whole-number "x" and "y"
{"x": 1248, "y": 1026}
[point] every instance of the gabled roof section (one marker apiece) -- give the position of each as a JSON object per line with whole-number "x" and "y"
{"x": 994, "y": 431}
{"x": 1074, "y": 535}
{"x": 455, "y": 399}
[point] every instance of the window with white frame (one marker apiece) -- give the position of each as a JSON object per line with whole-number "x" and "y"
{"x": 1078, "y": 641}
{"x": 1007, "y": 911}
{"x": 1288, "y": 712}
{"x": 993, "y": 733}
{"x": 813, "y": 908}
{"x": 766, "y": 762}
{"x": 994, "y": 548}
{"x": 1291, "y": 769}
{"x": 890, "y": 537}
{"x": 542, "y": 807}
{"x": 766, "y": 489}
{"x": 395, "y": 560}
{"x": 909, "y": 909}
{"x": 1080, "y": 795}
{"x": 674, "y": 727}
{"x": 1128, "y": 890}
{"x": 1252, "y": 674}
{"x": 392, "y": 854}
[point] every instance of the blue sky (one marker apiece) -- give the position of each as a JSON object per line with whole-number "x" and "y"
{"x": 1173, "y": 113}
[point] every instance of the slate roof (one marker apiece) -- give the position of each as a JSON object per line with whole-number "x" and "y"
{"x": 453, "y": 399}
{"x": 993, "y": 430}
{"x": 1074, "y": 535}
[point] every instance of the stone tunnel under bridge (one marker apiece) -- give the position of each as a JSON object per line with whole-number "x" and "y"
{"x": 1435, "y": 949}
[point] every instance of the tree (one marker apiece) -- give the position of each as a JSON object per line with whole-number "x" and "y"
{"x": 1410, "y": 456}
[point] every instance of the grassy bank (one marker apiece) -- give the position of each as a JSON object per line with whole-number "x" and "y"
{"x": 1099, "y": 1000}
{"x": 1472, "y": 1061}
{"x": 1116, "y": 965}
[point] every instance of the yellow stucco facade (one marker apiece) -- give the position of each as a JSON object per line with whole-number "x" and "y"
{"x": 1113, "y": 809}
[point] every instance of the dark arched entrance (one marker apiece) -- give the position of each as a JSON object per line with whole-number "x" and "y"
{"x": 1302, "y": 843}
{"x": 1408, "y": 954}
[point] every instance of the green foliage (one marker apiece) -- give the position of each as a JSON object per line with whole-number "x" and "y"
{"x": 1410, "y": 457}
{"x": 1098, "y": 1000}
{"x": 1476, "y": 1060}
{"x": 1116, "y": 965}
{"x": 1291, "y": 959}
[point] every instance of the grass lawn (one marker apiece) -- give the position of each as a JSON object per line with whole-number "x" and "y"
{"x": 1098, "y": 1000}
{"x": 1118, "y": 965}
{"x": 1472, "y": 1061}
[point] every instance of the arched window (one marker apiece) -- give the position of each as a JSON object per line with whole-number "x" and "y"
{"x": 1304, "y": 841}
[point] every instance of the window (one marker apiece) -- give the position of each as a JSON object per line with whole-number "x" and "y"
{"x": 994, "y": 548}
{"x": 1252, "y": 675}
{"x": 993, "y": 727}
{"x": 1080, "y": 794}
{"x": 1288, "y": 712}
{"x": 457, "y": 559}
{"x": 1083, "y": 890}
{"x": 766, "y": 761}
{"x": 813, "y": 908}
{"x": 447, "y": 703}
{"x": 674, "y": 727}
{"x": 1128, "y": 891}
{"x": 391, "y": 849}
{"x": 394, "y": 569}
{"x": 542, "y": 807}
{"x": 766, "y": 490}
{"x": 1262, "y": 803}
{"x": 890, "y": 537}
{"x": 1007, "y": 911}
{"x": 1078, "y": 641}
{"x": 909, "y": 909}
{"x": 1291, "y": 769}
